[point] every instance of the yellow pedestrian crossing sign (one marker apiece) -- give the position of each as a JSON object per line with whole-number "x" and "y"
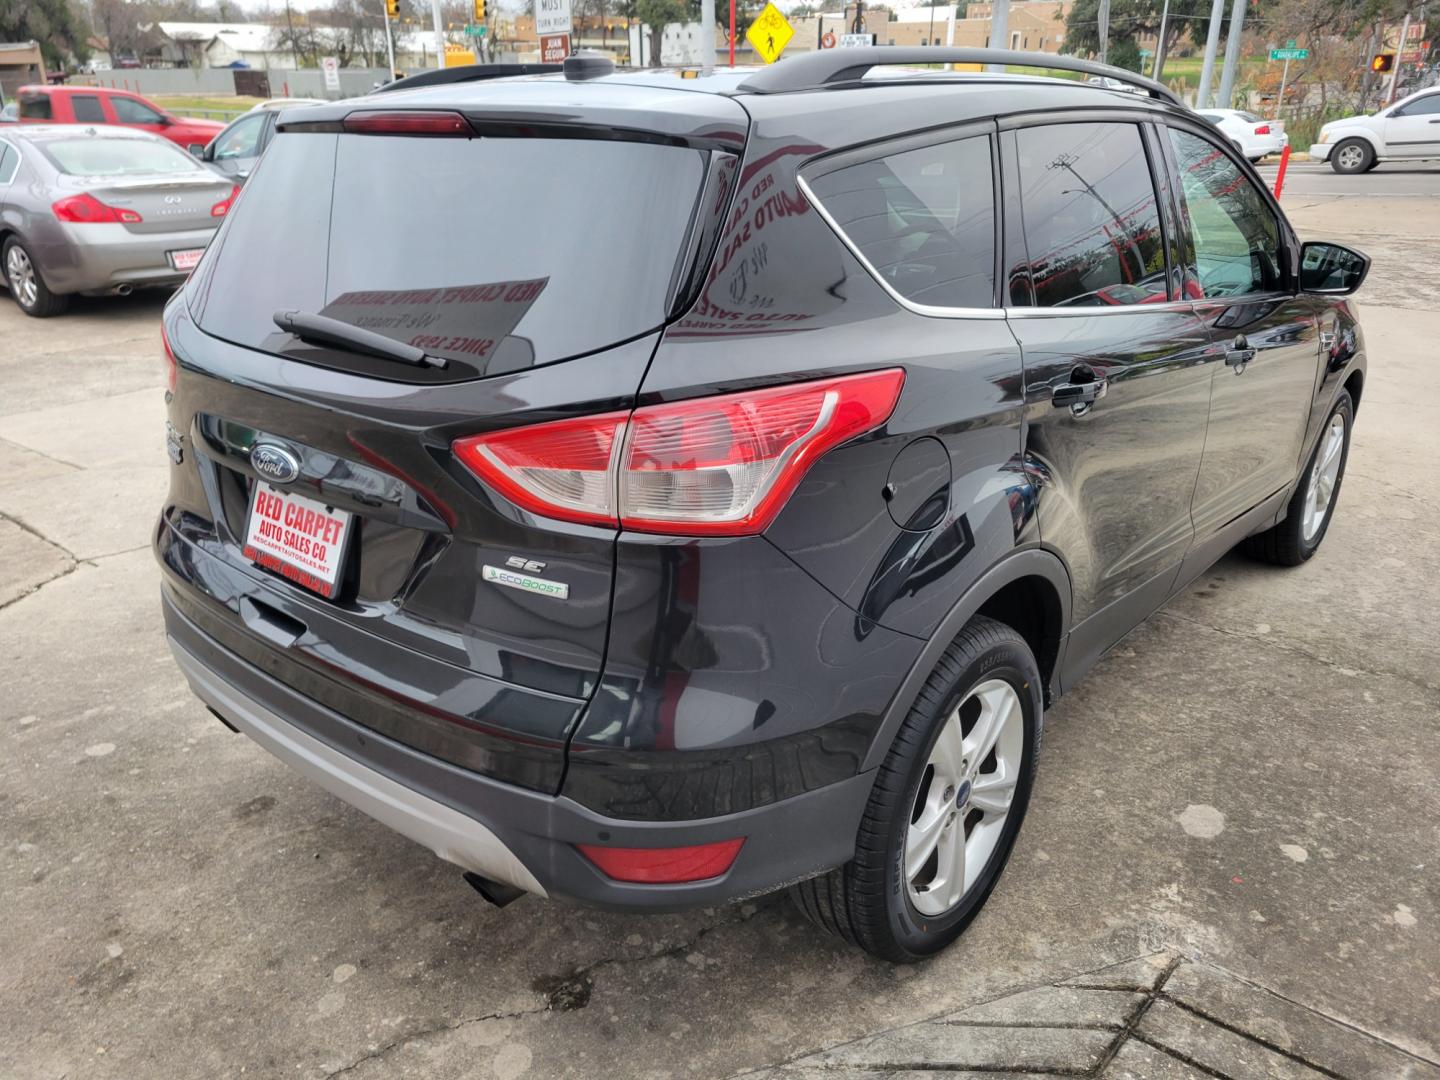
{"x": 770, "y": 33}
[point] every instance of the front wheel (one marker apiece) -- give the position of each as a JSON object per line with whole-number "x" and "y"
{"x": 946, "y": 806}
{"x": 1353, "y": 156}
{"x": 1307, "y": 518}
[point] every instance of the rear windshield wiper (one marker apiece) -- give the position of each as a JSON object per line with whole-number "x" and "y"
{"x": 323, "y": 330}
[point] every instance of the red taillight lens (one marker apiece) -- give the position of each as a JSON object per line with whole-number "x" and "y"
{"x": 407, "y": 123}
{"x": 85, "y": 209}
{"x": 1263, "y": 129}
{"x": 172, "y": 366}
{"x": 563, "y": 469}
{"x": 664, "y": 866}
{"x": 716, "y": 466}
{"x": 221, "y": 208}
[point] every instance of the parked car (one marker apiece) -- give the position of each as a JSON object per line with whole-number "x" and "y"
{"x": 1113, "y": 84}
{"x": 740, "y": 536}
{"x": 1409, "y": 130}
{"x": 235, "y": 150}
{"x": 1253, "y": 136}
{"x": 100, "y": 210}
{"x": 99, "y": 105}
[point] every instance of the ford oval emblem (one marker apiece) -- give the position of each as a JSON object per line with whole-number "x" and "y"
{"x": 274, "y": 462}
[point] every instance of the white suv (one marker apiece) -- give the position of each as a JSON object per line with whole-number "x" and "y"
{"x": 1409, "y": 130}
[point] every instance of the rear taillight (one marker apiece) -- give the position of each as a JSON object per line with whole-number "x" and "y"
{"x": 172, "y": 366}
{"x": 407, "y": 123}
{"x": 715, "y": 466}
{"x": 85, "y": 209}
{"x": 1263, "y": 129}
{"x": 221, "y": 208}
{"x": 664, "y": 866}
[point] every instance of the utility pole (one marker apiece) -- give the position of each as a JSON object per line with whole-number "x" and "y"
{"x": 1212, "y": 42}
{"x": 1103, "y": 16}
{"x": 290, "y": 22}
{"x": 859, "y": 27}
{"x": 707, "y": 35}
{"x": 999, "y": 29}
{"x": 439, "y": 34}
{"x": 389, "y": 41}
{"x": 1159, "y": 64}
{"x": 1232, "y": 54}
{"x": 1399, "y": 60}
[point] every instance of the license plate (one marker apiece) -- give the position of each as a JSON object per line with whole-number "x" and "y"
{"x": 301, "y": 539}
{"x": 185, "y": 260}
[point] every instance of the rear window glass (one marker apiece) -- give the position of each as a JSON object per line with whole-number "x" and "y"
{"x": 87, "y": 109}
{"x": 117, "y": 157}
{"x": 35, "y": 108}
{"x": 497, "y": 253}
{"x": 923, "y": 219}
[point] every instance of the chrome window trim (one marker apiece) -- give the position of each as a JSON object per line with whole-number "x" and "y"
{"x": 928, "y": 310}
{"x": 19, "y": 158}
{"x": 1099, "y": 309}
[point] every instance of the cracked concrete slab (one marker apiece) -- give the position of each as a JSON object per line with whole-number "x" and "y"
{"x": 115, "y": 430}
{"x": 92, "y": 512}
{"x": 27, "y": 562}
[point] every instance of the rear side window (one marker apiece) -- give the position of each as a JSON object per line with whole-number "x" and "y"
{"x": 495, "y": 253}
{"x": 87, "y": 109}
{"x": 1092, "y": 223}
{"x": 1234, "y": 240}
{"x": 36, "y": 108}
{"x": 922, "y": 220}
{"x": 130, "y": 111}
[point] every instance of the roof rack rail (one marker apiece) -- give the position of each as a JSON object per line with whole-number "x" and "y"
{"x": 829, "y": 67}
{"x": 468, "y": 73}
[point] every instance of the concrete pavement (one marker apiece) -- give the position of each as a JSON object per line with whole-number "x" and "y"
{"x": 1244, "y": 794}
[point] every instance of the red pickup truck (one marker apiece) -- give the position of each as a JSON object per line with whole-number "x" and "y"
{"x": 98, "y": 105}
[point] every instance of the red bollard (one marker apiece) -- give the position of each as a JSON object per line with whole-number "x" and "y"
{"x": 1280, "y": 176}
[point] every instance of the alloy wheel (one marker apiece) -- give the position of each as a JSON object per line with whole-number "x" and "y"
{"x": 964, "y": 797}
{"x": 1351, "y": 157}
{"x": 1324, "y": 475}
{"x": 21, "y": 274}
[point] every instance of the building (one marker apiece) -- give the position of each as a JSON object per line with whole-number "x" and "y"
{"x": 20, "y": 65}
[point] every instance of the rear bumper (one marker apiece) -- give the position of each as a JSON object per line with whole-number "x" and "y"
{"x": 98, "y": 258}
{"x": 511, "y": 834}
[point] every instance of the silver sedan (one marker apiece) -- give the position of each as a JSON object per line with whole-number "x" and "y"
{"x": 100, "y": 210}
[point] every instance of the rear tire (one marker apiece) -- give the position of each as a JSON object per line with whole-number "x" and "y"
{"x": 986, "y": 677}
{"x": 1352, "y": 156}
{"x": 1311, "y": 508}
{"x": 27, "y": 287}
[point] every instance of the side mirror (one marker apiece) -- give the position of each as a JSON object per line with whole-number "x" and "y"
{"x": 1331, "y": 269}
{"x": 166, "y": 120}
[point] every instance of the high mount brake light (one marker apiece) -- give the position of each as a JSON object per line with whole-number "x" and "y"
{"x": 387, "y": 122}
{"x": 85, "y": 209}
{"x": 712, "y": 466}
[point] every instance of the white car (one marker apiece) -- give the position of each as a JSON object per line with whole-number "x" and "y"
{"x": 1252, "y": 135}
{"x": 1409, "y": 130}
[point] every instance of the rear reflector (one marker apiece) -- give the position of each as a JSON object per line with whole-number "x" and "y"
{"x": 714, "y": 466}
{"x": 85, "y": 209}
{"x": 664, "y": 866}
{"x": 407, "y": 123}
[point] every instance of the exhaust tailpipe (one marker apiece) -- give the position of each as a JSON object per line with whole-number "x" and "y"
{"x": 124, "y": 290}
{"x": 497, "y": 892}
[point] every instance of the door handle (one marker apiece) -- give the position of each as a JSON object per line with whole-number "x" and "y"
{"x": 1081, "y": 392}
{"x": 1239, "y": 354}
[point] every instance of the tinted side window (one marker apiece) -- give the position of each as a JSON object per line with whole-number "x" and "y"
{"x": 1092, "y": 223}
{"x": 241, "y": 140}
{"x": 923, "y": 219}
{"x": 87, "y": 109}
{"x": 1425, "y": 106}
{"x": 35, "y": 108}
{"x": 130, "y": 111}
{"x": 9, "y": 162}
{"x": 1234, "y": 245}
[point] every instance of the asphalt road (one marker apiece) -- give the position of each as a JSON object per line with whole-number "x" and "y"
{"x": 1392, "y": 179}
{"x": 1230, "y": 860}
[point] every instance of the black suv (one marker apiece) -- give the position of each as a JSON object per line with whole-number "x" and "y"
{"x": 656, "y": 490}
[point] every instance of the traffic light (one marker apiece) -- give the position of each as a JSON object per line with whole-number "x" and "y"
{"x": 392, "y": 8}
{"x": 1379, "y": 62}
{"x": 479, "y": 11}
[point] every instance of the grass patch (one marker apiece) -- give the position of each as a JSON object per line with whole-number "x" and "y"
{"x": 201, "y": 104}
